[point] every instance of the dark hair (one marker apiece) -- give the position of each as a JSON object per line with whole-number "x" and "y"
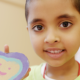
{"x": 76, "y": 4}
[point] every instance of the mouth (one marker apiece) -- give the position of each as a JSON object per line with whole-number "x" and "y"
{"x": 2, "y": 73}
{"x": 55, "y": 53}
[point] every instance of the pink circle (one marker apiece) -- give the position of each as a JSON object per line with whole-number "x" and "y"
{"x": 9, "y": 68}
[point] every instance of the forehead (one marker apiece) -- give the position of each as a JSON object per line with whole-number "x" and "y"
{"x": 50, "y": 8}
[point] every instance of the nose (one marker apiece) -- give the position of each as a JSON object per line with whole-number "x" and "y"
{"x": 52, "y": 37}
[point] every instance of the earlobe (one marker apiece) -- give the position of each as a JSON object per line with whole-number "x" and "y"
{"x": 27, "y": 27}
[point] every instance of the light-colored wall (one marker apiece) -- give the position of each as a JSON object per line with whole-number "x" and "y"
{"x": 13, "y": 29}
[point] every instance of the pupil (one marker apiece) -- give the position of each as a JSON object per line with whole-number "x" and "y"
{"x": 65, "y": 24}
{"x": 39, "y": 27}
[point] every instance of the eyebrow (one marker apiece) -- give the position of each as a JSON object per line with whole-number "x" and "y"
{"x": 35, "y": 21}
{"x": 66, "y": 16}
{"x": 60, "y": 17}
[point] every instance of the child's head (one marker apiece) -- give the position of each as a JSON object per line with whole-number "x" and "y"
{"x": 54, "y": 28}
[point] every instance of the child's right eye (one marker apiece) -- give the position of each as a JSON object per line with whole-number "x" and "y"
{"x": 38, "y": 28}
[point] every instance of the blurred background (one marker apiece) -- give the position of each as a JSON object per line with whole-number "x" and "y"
{"x": 13, "y": 30}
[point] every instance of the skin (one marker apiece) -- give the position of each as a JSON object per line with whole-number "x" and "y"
{"x": 49, "y": 14}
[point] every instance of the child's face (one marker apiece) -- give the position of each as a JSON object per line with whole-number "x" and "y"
{"x": 51, "y": 20}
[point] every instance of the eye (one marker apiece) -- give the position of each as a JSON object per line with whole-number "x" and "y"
{"x": 66, "y": 24}
{"x": 38, "y": 28}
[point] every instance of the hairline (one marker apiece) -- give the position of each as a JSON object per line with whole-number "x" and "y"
{"x": 28, "y": 1}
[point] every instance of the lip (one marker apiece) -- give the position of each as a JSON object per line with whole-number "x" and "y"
{"x": 49, "y": 49}
{"x": 53, "y": 55}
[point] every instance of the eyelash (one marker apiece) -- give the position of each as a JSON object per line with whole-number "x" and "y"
{"x": 36, "y": 27}
{"x": 68, "y": 24}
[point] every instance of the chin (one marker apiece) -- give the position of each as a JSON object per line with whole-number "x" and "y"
{"x": 56, "y": 63}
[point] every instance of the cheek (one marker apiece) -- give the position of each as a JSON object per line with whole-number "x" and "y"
{"x": 0, "y": 64}
{"x": 9, "y": 68}
{"x": 71, "y": 43}
{"x": 37, "y": 43}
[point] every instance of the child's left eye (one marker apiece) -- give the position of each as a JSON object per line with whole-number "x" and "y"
{"x": 66, "y": 24}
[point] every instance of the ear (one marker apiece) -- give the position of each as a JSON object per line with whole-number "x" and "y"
{"x": 27, "y": 27}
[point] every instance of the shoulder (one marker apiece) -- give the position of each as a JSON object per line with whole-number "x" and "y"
{"x": 35, "y": 73}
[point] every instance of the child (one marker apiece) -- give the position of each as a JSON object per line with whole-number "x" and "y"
{"x": 54, "y": 29}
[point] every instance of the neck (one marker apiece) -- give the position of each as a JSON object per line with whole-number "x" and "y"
{"x": 64, "y": 70}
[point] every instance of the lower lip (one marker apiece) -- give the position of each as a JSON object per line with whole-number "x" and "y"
{"x": 55, "y": 55}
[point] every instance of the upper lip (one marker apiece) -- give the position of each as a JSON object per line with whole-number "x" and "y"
{"x": 53, "y": 49}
